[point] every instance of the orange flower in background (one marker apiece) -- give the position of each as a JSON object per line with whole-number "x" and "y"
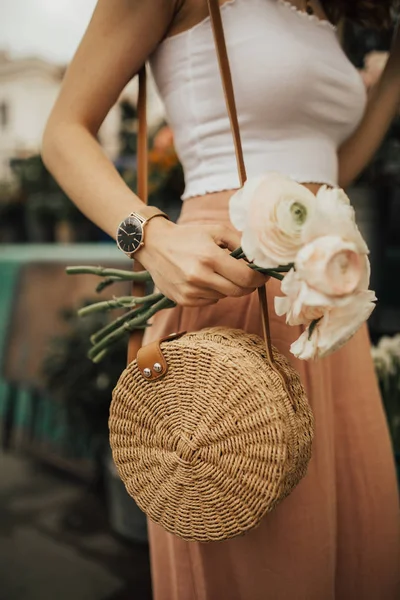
{"x": 162, "y": 158}
{"x": 164, "y": 138}
{"x": 162, "y": 155}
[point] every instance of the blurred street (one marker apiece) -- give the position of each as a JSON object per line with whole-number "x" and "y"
{"x": 55, "y": 541}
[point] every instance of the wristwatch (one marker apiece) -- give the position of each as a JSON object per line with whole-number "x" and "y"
{"x": 130, "y": 232}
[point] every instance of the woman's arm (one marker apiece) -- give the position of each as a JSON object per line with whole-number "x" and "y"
{"x": 383, "y": 105}
{"x": 120, "y": 36}
{"x": 187, "y": 263}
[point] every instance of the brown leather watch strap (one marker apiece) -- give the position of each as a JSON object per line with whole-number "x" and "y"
{"x": 158, "y": 214}
{"x": 148, "y": 212}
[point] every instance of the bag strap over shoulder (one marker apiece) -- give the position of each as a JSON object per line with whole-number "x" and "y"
{"x": 226, "y": 77}
{"x": 139, "y": 289}
{"x": 142, "y": 160}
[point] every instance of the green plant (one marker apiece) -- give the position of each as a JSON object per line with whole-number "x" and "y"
{"x": 44, "y": 197}
{"x": 81, "y": 386}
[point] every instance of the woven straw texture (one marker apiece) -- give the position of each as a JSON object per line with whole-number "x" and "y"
{"x": 209, "y": 449}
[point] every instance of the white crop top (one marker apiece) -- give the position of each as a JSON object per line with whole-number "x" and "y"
{"x": 298, "y": 96}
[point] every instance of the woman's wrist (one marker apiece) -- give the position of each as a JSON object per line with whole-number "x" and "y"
{"x": 154, "y": 232}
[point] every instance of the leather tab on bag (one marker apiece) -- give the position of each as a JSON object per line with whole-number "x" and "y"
{"x": 150, "y": 359}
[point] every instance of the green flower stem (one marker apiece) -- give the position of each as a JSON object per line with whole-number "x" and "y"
{"x": 270, "y": 272}
{"x": 142, "y": 308}
{"x": 105, "y": 283}
{"x": 99, "y": 357}
{"x": 103, "y": 272}
{"x": 284, "y": 269}
{"x": 128, "y": 326}
{"x": 237, "y": 252}
{"x": 312, "y": 327}
{"x": 275, "y": 275}
{"x": 122, "y": 302}
{"x": 131, "y": 314}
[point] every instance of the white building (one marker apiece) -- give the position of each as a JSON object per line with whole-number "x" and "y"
{"x": 28, "y": 89}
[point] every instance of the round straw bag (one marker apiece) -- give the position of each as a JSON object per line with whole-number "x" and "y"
{"x": 217, "y": 439}
{"x": 209, "y": 430}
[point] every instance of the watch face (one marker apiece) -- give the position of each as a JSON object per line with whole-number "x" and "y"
{"x": 130, "y": 234}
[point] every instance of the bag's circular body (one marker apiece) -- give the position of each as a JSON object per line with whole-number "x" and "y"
{"x": 214, "y": 445}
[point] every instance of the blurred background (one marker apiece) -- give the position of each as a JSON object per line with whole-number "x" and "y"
{"x": 67, "y": 527}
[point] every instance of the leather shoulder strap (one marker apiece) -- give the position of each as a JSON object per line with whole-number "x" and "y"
{"x": 226, "y": 77}
{"x": 142, "y": 143}
{"x": 142, "y": 157}
{"x": 139, "y": 289}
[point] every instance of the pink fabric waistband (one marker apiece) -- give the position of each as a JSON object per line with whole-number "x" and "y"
{"x": 205, "y": 208}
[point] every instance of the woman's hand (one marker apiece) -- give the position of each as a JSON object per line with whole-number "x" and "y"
{"x": 190, "y": 264}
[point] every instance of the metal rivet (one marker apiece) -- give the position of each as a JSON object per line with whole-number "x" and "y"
{"x": 157, "y": 367}
{"x": 147, "y": 372}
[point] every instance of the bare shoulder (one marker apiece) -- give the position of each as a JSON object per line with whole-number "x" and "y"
{"x": 138, "y": 25}
{"x": 189, "y": 13}
{"x": 120, "y": 37}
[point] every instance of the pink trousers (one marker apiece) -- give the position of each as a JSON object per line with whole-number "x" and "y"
{"x": 337, "y": 535}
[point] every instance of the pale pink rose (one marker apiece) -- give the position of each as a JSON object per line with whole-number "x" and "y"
{"x": 338, "y": 317}
{"x": 330, "y": 266}
{"x": 334, "y": 216}
{"x": 271, "y": 211}
{"x": 301, "y": 305}
{"x": 336, "y": 327}
{"x": 305, "y": 347}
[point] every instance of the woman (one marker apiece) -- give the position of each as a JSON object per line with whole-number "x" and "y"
{"x": 302, "y": 110}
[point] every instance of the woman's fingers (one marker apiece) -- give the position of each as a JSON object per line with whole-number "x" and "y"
{"x": 195, "y": 267}
{"x": 237, "y": 271}
{"x": 234, "y": 270}
{"x": 226, "y": 237}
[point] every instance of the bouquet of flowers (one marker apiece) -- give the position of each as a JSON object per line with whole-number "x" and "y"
{"x": 309, "y": 242}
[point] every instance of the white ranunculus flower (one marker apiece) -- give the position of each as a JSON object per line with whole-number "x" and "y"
{"x": 335, "y": 216}
{"x": 304, "y": 348}
{"x": 383, "y": 361}
{"x": 330, "y": 319}
{"x": 301, "y": 305}
{"x": 331, "y": 266}
{"x": 272, "y": 212}
{"x": 239, "y": 203}
{"x": 390, "y": 345}
{"x": 336, "y": 327}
